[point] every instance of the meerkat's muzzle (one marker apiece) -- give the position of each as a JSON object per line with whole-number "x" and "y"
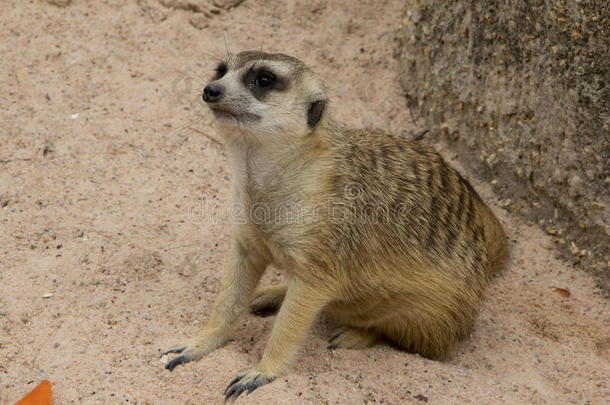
{"x": 212, "y": 93}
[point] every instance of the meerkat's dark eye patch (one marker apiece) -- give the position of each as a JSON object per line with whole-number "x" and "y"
{"x": 260, "y": 81}
{"x": 221, "y": 70}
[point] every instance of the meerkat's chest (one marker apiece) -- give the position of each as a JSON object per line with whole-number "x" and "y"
{"x": 277, "y": 197}
{"x": 268, "y": 229}
{"x": 274, "y": 216}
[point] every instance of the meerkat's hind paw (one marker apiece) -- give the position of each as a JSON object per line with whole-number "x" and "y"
{"x": 247, "y": 382}
{"x": 267, "y": 300}
{"x": 263, "y": 311}
{"x": 352, "y": 338}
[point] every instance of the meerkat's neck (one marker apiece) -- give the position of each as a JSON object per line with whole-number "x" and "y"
{"x": 253, "y": 159}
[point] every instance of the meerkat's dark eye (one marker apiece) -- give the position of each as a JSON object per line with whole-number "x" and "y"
{"x": 221, "y": 70}
{"x": 264, "y": 79}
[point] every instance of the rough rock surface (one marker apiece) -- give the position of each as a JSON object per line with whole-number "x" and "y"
{"x": 521, "y": 91}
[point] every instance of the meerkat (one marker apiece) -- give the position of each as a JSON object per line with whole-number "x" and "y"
{"x": 376, "y": 231}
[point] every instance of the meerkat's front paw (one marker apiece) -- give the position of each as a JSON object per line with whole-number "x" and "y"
{"x": 352, "y": 338}
{"x": 191, "y": 350}
{"x": 247, "y": 382}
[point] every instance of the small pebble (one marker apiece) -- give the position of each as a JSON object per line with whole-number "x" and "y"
{"x": 47, "y": 295}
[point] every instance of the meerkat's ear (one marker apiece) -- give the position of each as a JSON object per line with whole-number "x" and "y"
{"x": 314, "y": 113}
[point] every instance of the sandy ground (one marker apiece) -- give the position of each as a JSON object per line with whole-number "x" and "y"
{"x": 111, "y": 248}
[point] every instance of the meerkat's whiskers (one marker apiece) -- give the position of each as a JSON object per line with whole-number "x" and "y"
{"x": 224, "y": 35}
{"x": 186, "y": 124}
{"x": 211, "y": 138}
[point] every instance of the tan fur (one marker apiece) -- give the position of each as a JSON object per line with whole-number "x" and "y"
{"x": 375, "y": 230}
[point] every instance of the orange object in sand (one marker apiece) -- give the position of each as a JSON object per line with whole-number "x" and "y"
{"x": 41, "y": 395}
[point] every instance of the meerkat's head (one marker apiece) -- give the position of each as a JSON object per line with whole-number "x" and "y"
{"x": 266, "y": 94}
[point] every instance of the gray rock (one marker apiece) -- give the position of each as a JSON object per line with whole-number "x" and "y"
{"x": 521, "y": 92}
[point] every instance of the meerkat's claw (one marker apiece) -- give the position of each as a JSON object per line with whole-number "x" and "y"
{"x": 247, "y": 382}
{"x": 352, "y": 338}
{"x": 177, "y": 361}
{"x": 174, "y": 350}
{"x": 187, "y": 353}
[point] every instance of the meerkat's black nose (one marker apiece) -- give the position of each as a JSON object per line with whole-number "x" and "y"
{"x": 212, "y": 93}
